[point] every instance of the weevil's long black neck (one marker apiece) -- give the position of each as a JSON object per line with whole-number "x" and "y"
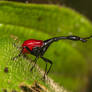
{"x": 49, "y": 41}
{"x": 75, "y": 38}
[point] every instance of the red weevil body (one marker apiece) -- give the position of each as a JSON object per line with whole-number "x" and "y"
{"x": 31, "y": 43}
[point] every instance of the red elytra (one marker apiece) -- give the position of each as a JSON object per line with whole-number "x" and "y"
{"x": 31, "y": 43}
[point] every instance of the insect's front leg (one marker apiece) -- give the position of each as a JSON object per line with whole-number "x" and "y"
{"x": 36, "y": 52}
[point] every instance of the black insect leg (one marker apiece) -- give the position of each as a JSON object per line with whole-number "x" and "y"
{"x": 47, "y": 61}
{"x": 34, "y": 64}
{"x": 43, "y": 78}
{"x": 45, "y": 72}
{"x": 34, "y": 60}
{"x": 46, "y": 68}
{"x": 18, "y": 54}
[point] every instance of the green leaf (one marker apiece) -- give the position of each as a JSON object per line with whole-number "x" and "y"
{"x": 43, "y": 22}
{"x": 66, "y": 64}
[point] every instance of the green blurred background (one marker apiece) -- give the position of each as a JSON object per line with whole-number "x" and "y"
{"x": 82, "y": 6}
{"x": 71, "y": 60}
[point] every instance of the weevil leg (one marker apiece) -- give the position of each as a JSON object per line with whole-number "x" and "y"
{"x": 34, "y": 63}
{"x": 47, "y": 61}
{"x": 34, "y": 60}
{"x": 45, "y": 71}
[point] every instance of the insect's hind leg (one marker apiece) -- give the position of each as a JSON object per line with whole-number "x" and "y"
{"x": 47, "y": 61}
